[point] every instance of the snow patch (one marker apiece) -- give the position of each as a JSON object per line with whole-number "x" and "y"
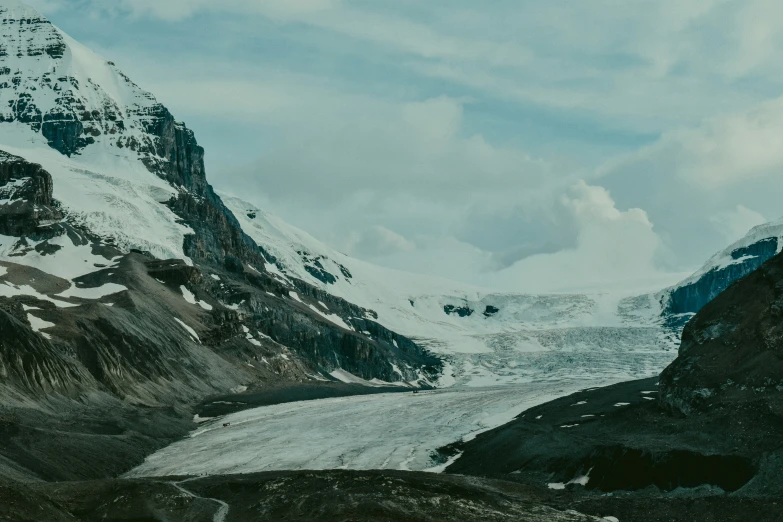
{"x": 188, "y": 295}
{"x": 190, "y": 330}
{"x": 10, "y": 290}
{"x": 97, "y": 292}
{"x": 332, "y": 318}
{"x": 39, "y": 324}
{"x": 581, "y": 480}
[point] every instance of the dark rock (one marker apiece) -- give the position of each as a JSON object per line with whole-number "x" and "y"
{"x": 346, "y": 272}
{"x": 462, "y": 311}
{"x": 490, "y": 311}
{"x": 64, "y": 133}
{"x": 312, "y": 496}
{"x": 25, "y": 198}
{"x": 733, "y": 349}
{"x": 319, "y": 273}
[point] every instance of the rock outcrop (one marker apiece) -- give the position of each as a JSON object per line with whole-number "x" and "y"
{"x": 732, "y": 351}
{"x": 26, "y": 203}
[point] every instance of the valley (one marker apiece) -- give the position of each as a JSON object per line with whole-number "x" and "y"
{"x": 169, "y": 352}
{"x": 400, "y": 431}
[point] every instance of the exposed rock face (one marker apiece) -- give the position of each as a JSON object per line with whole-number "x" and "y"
{"x": 692, "y": 297}
{"x": 54, "y": 85}
{"x": 25, "y": 198}
{"x": 89, "y": 319}
{"x": 218, "y": 238}
{"x": 732, "y": 351}
{"x": 31, "y": 363}
{"x": 461, "y": 311}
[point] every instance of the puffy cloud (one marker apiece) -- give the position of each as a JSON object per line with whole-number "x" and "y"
{"x": 692, "y": 179}
{"x": 721, "y": 151}
{"x": 181, "y": 9}
{"x": 614, "y": 247}
{"x": 409, "y": 167}
{"x": 442, "y": 256}
{"x": 415, "y": 148}
{"x": 737, "y": 222}
{"x": 378, "y": 241}
{"x": 47, "y": 6}
{"x": 464, "y": 124}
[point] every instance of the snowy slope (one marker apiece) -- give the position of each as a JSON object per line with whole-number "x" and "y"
{"x": 110, "y": 148}
{"x": 388, "y": 431}
{"x": 59, "y": 99}
{"x": 488, "y": 337}
{"x": 92, "y": 168}
{"x": 721, "y": 270}
{"x": 735, "y": 253}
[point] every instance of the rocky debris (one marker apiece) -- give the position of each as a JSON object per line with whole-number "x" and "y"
{"x": 22, "y": 504}
{"x": 62, "y": 440}
{"x": 344, "y": 496}
{"x": 732, "y": 351}
{"x": 299, "y": 496}
{"x": 613, "y": 449}
{"x": 31, "y": 364}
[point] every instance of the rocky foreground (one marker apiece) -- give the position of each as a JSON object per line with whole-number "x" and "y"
{"x": 702, "y": 442}
{"x": 706, "y": 433}
{"x": 284, "y": 496}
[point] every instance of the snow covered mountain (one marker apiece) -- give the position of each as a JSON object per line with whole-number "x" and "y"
{"x": 118, "y": 174}
{"x": 736, "y": 261}
{"x": 95, "y": 171}
{"x": 486, "y": 337}
{"x": 122, "y": 274}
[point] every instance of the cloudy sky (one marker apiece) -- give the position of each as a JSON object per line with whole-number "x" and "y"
{"x": 526, "y": 145}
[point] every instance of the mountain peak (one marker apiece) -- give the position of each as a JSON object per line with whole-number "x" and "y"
{"x": 27, "y": 33}
{"x": 64, "y": 91}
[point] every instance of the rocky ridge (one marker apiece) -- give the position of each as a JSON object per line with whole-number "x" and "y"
{"x": 127, "y": 289}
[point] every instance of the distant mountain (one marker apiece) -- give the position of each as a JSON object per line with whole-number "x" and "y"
{"x": 485, "y": 337}
{"x": 736, "y": 261}
{"x": 99, "y": 187}
{"x": 699, "y": 442}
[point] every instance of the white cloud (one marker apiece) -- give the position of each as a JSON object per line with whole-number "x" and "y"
{"x": 378, "y": 241}
{"x": 721, "y": 151}
{"x": 47, "y": 6}
{"x": 181, "y": 9}
{"x": 737, "y": 222}
{"x": 463, "y": 124}
{"x": 410, "y": 152}
{"x": 614, "y": 247}
{"x": 442, "y": 256}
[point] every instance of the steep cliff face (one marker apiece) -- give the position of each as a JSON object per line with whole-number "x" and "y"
{"x": 26, "y": 203}
{"x": 693, "y": 296}
{"x": 721, "y": 271}
{"x": 30, "y": 363}
{"x": 100, "y": 187}
{"x": 75, "y": 99}
{"x": 732, "y": 351}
